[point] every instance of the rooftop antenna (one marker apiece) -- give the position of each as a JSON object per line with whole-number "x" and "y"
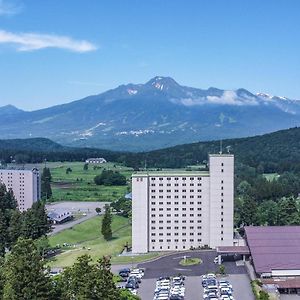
{"x": 221, "y": 147}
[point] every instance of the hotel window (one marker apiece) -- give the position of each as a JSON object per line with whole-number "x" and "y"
{"x": 191, "y": 191}
{"x": 176, "y": 184}
{"x": 153, "y": 203}
{"x": 168, "y": 191}
{"x": 191, "y": 215}
{"x": 160, "y": 178}
{"x": 160, "y": 203}
{"x": 169, "y": 197}
{"x": 168, "y": 184}
{"x": 153, "y": 241}
{"x": 160, "y": 184}
{"x": 168, "y": 178}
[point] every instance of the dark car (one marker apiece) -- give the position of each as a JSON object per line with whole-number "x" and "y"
{"x": 124, "y": 272}
{"x": 132, "y": 282}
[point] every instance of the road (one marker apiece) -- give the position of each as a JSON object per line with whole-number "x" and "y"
{"x": 87, "y": 208}
{"x": 169, "y": 265}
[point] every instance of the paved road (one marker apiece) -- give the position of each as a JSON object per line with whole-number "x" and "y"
{"x": 289, "y": 297}
{"x": 75, "y": 207}
{"x": 169, "y": 265}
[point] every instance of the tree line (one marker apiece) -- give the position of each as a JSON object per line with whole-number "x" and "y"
{"x": 23, "y": 275}
{"x": 32, "y": 223}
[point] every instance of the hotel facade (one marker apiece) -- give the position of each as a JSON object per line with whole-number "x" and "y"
{"x": 25, "y": 184}
{"x": 183, "y": 210}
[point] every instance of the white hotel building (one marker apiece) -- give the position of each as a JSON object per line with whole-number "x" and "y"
{"x": 25, "y": 185}
{"x": 179, "y": 210}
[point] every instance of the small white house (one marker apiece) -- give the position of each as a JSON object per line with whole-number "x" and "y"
{"x": 99, "y": 160}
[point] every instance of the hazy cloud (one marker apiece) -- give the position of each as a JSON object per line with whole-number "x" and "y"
{"x": 35, "y": 41}
{"x": 9, "y": 8}
{"x": 227, "y": 98}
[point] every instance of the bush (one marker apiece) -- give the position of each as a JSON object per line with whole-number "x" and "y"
{"x": 109, "y": 178}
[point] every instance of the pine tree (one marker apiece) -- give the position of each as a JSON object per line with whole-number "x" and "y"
{"x": 78, "y": 281}
{"x": 105, "y": 286}
{"x": 248, "y": 213}
{"x": 3, "y": 234}
{"x": 46, "y": 191}
{"x": 24, "y": 273}
{"x": 15, "y": 225}
{"x": 106, "y": 224}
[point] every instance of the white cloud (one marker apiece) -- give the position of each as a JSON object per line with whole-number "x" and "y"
{"x": 9, "y": 8}
{"x": 35, "y": 41}
{"x": 227, "y": 98}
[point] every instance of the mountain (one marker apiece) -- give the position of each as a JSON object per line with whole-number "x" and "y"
{"x": 9, "y": 110}
{"x": 274, "y": 152}
{"x": 157, "y": 114}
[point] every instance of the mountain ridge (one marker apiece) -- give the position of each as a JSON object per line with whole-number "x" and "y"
{"x": 156, "y": 114}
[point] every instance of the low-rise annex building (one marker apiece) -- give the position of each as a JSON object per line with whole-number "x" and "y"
{"x": 183, "y": 210}
{"x": 25, "y": 184}
{"x": 99, "y": 160}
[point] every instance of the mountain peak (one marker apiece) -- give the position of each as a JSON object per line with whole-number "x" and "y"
{"x": 162, "y": 83}
{"x": 9, "y": 109}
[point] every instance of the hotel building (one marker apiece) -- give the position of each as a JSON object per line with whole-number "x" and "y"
{"x": 180, "y": 210}
{"x": 25, "y": 185}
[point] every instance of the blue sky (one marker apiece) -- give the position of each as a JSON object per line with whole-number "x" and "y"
{"x": 55, "y": 51}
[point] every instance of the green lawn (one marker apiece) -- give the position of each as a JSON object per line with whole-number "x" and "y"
{"x": 79, "y": 185}
{"x": 190, "y": 261}
{"x": 88, "y": 235}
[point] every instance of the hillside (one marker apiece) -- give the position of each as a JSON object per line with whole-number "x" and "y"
{"x": 158, "y": 114}
{"x": 274, "y": 152}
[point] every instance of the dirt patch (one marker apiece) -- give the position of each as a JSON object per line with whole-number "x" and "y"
{"x": 63, "y": 185}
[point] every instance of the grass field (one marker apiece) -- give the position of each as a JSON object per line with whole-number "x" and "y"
{"x": 79, "y": 185}
{"x": 86, "y": 238}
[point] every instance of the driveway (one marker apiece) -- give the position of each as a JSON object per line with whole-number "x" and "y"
{"x": 75, "y": 207}
{"x": 169, "y": 265}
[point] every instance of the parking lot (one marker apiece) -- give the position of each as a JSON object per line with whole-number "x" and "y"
{"x": 194, "y": 290}
{"x": 169, "y": 266}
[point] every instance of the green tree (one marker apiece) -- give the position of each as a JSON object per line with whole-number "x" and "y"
{"x": 85, "y": 166}
{"x": 46, "y": 191}
{"x": 263, "y": 295}
{"x": 105, "y": 286}
{"x": 15, "y": 226}
{"x": 98, "y": 210}
{"x": 3, "y": 234}
{"x": 35, "y": 221}
{"x": 106, "y": 224}
{"x": 109, "y": 177}
{"x": 78, "y": 281}
{"x": 268, "y": 213}
{"x": 248, "y": 213}
{"x": 288, "y": 213}
{"x": 25, "y": 275}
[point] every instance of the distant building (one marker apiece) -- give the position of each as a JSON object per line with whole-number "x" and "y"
{"x": 96, "y": 161}
{"x": 183, "y": 210}
{"x": 59, "y": 216}
{"x": 25, "y": 184}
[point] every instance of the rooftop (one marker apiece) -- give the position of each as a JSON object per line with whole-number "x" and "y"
{"x": 171, "y": 173}
{"x": 274, "y": 247}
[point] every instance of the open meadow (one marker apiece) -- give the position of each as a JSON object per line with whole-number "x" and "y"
{"x": 86, "y": 238}
{"x": 78, "y": 184}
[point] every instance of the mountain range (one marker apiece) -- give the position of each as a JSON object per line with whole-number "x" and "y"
{"x": 157, "y": 114}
